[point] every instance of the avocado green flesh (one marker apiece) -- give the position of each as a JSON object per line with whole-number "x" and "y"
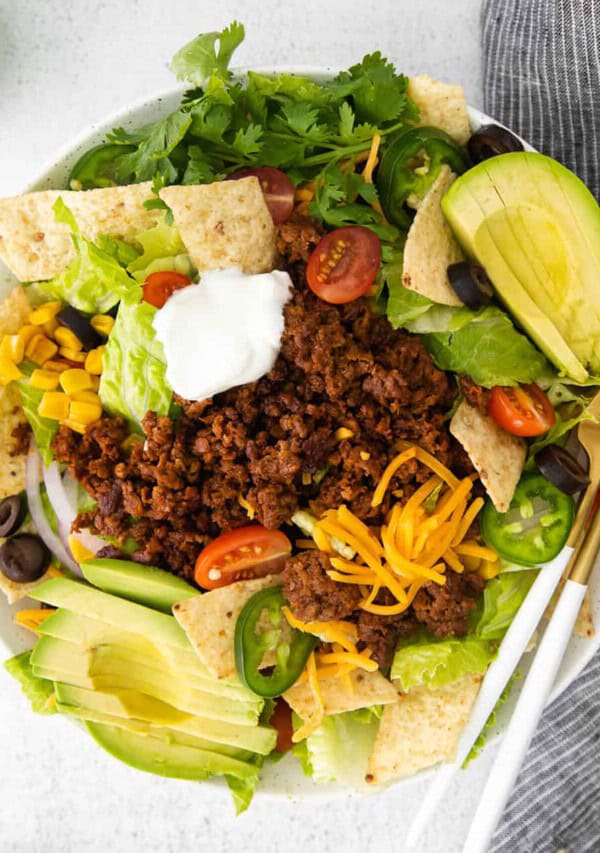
{"x": 126, "y": 615}
{"x": 129, "y": 706}
{"x": 145, "y": 585}
{"x": 536, "y": 229}
{"x": 166, "y": 757}
{"x": 103, "y": 669}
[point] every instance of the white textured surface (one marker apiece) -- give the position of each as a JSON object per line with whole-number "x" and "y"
{"x": 63, "y": 66}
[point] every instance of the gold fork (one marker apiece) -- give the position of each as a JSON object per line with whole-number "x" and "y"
{"x": 588, "y": 435}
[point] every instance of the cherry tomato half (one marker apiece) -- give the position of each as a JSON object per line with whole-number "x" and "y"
{"x": 344, "y": 264}
{"x": 160, "y": 285}
{"x": 281, "y": 719}
{"x": 248, "y": 552}
{"x": 523, "y": 410}
{"x": 277, "y": 188}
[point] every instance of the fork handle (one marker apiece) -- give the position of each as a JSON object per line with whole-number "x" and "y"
{"x": 523, "y": 724}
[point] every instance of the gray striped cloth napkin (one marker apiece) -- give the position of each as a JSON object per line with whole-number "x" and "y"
{"x": 542, "y": 79}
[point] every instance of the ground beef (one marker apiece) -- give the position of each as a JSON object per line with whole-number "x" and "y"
{"x": 297, "y": 237}
{"x": 444, "y": 610}
{"x": 312, "y": 595}
{"x": 381, "y": 633}
{"x": 474, "y": 394}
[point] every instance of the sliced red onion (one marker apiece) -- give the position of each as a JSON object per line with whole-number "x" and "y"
{"x": 38, "y": 515}
{"x": 61, "y": 504}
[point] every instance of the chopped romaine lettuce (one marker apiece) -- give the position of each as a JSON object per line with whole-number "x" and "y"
{"x": 502, "y": 597}
{"x": 134, "y": 379}
{"x": 423, "y": 660}
{"x": 242, "y": 790}
{"x": 338, "y": 751}
{"x": 121, "y": 251}
{"x": 94, "y": 281}
{"x": 163, "y": 249}
{"x": 39, "y": 691}
{"x": 44, "y": 429}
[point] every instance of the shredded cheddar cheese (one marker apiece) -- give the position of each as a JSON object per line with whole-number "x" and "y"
{"x": 247, "y": 506}
{"x": 372, "y": 159}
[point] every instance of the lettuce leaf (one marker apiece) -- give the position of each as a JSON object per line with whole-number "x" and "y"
{"x": 488, "y": 349}
{"x": 242, "y": 791}
{"x": 44, "y": 429}
{"x": 134, "y": 379}
{"x": 39, "y": 691}
{"x": 163, "y": 249}
{"x": 423, "y": 660}
{"x": 94, "y": 281}
{"x": 502, "y": 597}
{"x": 339, "y": 749}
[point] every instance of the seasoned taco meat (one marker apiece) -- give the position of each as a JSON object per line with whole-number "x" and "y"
{"x": 474, "y": 394}
{"x": 381, "y": 633}
{"x": 444, "y": 610}
{"x": 312, "y": 595}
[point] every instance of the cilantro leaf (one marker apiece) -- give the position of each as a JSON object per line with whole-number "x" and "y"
{"x": 152, "y": 155}
{"x": 199, "y": 59}
{"x": 302, "y": 119}
{"x": 247, "y": 141}
{"x": 379, "y": 95}
{"x": 201, "y": 170}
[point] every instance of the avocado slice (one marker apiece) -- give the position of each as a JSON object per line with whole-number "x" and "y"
{"x": 126, "y": 615}
{"x": 535, "y": 228}
{"x": 76, "y": 629}
{"x": 104, "y": 669}
{"x": 166, "y": 756}
{"x": 129, "y": 706}
{"x": 146, "y": 585}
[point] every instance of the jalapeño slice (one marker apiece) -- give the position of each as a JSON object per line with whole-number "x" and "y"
{"x": 259, "y": 630}
{"x": 535, "y": 526}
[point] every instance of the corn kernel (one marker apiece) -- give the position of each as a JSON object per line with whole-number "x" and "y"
{"x": 365, "y": 455}
{"x": 87, "y": 397}
{"x": 12, "y": 347}
{"x": 27, "y": 332}
{"x": 8, "y": 370}
{"x": 103, "y": 324}
{"x": 489, "y": 570}
{"x": 72, "y": 354}
{"x": 40, "y": 349}
{"x": 44, "y": 313}
{"x": 84, "y": 413}
{"x": 66, "y": 338}
{"x": 55, "y": 405}
{"x": 93, "y": 361}
{"x": 342, "y": 433}
{"x": 45, "y": 379}
{"x": 50, "y": 327}
{"x": 95, "y": 382}
{"x": 306, "y": 478}
{"x": 75, "y": 426}
{"x": 57, "y": 365}
{"x": 74, "y": 379}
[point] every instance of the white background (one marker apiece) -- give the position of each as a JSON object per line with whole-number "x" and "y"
{"x": 63, "y": 66}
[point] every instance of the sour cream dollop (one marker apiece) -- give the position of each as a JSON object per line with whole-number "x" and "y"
{"x": 223, "y": 332}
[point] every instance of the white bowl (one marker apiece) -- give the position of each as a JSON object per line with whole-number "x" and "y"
{"x": 284, "y": 778}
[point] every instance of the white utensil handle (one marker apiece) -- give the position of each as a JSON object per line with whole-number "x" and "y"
{"x": 511, "y": 650}
{"x": 525, "y": 718}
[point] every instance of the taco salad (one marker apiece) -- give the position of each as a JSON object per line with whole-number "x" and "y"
{"x": 286, "y": 380}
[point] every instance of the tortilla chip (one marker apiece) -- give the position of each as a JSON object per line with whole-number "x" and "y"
{"x": 421, "y": 729}
{"x": 368, "y": 688}
{"x": 16, "y": 591}
{"x": 224, "y": 224}
{"x": 584, "y": 624}
{"x": 430, "y": 247}
{"x": 441, "y": 105}
{"x": 497, "y": 455}
{"x": 36, "y": 247}
{"x": 13, "y": 314}
{"x": 209, "y": 622}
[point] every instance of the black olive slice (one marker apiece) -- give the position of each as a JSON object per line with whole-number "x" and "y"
{"x": 24, "y": 558}
{"x": 12, "y": 514}
{"x": 562, "y": 469}
{"x": 79, "y": 324}
{"x": 491, "y": 140}
{"x": 470, "y": 283}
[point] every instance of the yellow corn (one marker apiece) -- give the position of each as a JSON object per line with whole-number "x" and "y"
{"x": 365, "y": 455}
{"x": 56, "y": 365}
{"x": 489, "y": 570}
{"x": 72, "y": 354}
{"x": 50, "y": 327}
{"x": 66, "y": 338}
{"x": 102, "y": 323}
{"x": 95, "y": 382}
{"x": 12, "y": 347}
{"x": 342, "y": 433}
{"x": 306, "y": 479}
{"x": 45, "y": 379}
{"x": 87, "y": 397}
{"x": 44, "y": 313}
{"x": 40, "y": 349}
{"x": 93, "y": 360}
{"x": 84, "y": 413}
{"x": 8, "y": 370}
{"x": 74, "y": 379}
{"x": 55, "y": 405}
{"x": 27, "y": 332}
{"x": 75, "y": 425}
